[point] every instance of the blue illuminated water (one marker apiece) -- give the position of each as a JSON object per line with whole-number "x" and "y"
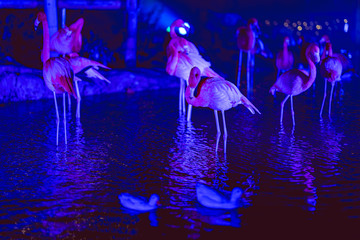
{"x": 299, "y": 182}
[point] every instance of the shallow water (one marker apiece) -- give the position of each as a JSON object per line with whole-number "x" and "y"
{"x": 300, "y": 181}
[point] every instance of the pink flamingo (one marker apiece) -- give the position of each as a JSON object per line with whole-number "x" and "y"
{"x": 330, "y": 69}
{"x": 80, "y": 63}
{"x": 347, "y": 68}
{"x": 215, "y": 93}
{"x": 246, "y": 38}
{"x": 284, "y": 58}
{"x": 57, "y": 72}
{"x": 68, "y": 40}
{"x": 294, "y": 81}
{"x": 182, "y": 56}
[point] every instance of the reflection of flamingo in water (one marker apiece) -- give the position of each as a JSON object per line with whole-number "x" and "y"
{"x": 57, "y": 72}
{"x": 215, "y": 93}
{"x": 330, "y": 69}
{"x": 182, "y": 56}
{"x": 246, "y": 39}
{"x": 300, "y": 166}
{"x": 294, "y": 81}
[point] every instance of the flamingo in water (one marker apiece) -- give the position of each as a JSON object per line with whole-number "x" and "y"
{"x": 246, "y": 39}
{"x": 284, "y": 58}
{"x": 330, "y": 69}
{"x": 68, "y": 41}
{"x": 57, "y": 72}
{"x": 215, "y": 93}
{"x": 295, "y": 81}
{"x": 182, "y": 56}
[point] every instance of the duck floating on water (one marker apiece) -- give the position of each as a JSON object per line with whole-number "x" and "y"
{"x": 211, "y": 198}
{"x": 136, "y": 203}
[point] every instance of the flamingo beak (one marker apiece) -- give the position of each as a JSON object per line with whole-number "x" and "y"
{"x": 192, "y": 90}
{"x": 36, "y": 24}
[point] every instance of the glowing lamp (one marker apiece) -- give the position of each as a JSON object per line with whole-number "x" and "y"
{"x": 182, "y": 31}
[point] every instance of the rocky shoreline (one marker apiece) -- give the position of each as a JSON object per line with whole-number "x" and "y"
{"x": 22, "y": 84}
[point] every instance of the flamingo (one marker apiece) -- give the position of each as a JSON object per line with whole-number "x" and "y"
{"x": 284, "y": 58}
{"x": 295, "y": 81}
{"x": 215, "y": 93}
{"x": 57, "y": 72}
{"x": 68, "y": 40}
{"x": 330, "y": 69}
{"x": 182, "y": 56}
{"x": 347, "y": 67}
{"x": 246, "y": 39}
{"x": 80, "y": 63}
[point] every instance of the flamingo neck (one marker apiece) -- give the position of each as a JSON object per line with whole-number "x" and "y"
{"x": 46, "y": 41}
{"x": 312, "y": 74}
{"x": 172, "y": 32}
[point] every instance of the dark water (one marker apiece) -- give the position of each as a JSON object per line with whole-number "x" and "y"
{"x": 300, "y": 182}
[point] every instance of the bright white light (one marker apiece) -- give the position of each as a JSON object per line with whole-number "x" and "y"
{"x": 186, "y": 24}
{"x": 346, "y": 27}
{"x": 182, "y": 31}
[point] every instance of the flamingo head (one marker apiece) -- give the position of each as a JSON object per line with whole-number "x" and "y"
{"x": 179, "y": 26}
{"x": 41, "y": 16}
{"x": 254, "y": 25}
{"x": 328, "y": 49}
{"x": 194, "y": 79}
{"x": 324, "y": 39}
{"x": 287, "y": 41}
{"x": 313, "y": 52}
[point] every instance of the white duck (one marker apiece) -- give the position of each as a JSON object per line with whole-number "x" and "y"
{"x": 212, "y": 198}
{"x": 129, "y": 201}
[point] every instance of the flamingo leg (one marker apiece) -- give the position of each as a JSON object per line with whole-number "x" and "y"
{"x": 217, "y": 129}
{"x": 323, "y": 102}
{"x": 64, "y": 117}
{"x": 217, "y": 122}
{"x": 224, "y": 122}
{"x": 331, "y": 93}
{"x": 248, "y": 84}
{"x": 57, "y": 120}
{"x": 282, "y": 108}
{"x": 78, "y": 100}
{"x": 189, "y": 113}
{"x": 182, "y": 97}
{"x": 292, "y": 109}
{"x": 225, "y": 131}
{"x": 239, "y": 70}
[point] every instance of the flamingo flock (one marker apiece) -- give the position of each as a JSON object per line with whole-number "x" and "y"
{"x": 200, "y": 85}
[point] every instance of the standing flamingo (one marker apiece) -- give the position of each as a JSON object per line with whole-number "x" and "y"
{"x": 215, "y": 93}
{"x": 330, "y": 69}
{"x": 182, "y": 56}
{"x": 295, "y": 81}
{"x": 246, "y": 38}
{"x": 68, "y": 41}
{"x": 57, "y": 72}
{"x": 284, "y": 58}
